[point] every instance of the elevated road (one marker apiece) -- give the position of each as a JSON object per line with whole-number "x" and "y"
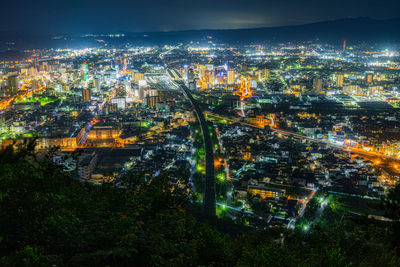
{"x": 209, "y": 193}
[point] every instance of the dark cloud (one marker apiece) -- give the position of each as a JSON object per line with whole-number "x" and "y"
{"x": 73, "y": 16}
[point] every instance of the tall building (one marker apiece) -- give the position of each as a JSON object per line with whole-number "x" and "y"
{"x": 191, "y": 75}
{"x": 317, "y": 85}
{"x": 32, "y": 71}
{"x": 12, "y": 84}
{"x": 209, "y": 77}
{"x": 125, "y": 64}
{"x": 265, "y": 73}
{"x": 96, "y": 83}
{"x": 186, "y": 72}
{"x": 45, "y": 66}
{"x": 86, "y": 95}
{"x": 110, "y": 108}
{"x": 34, "y": 85}
{"x": 151, "y": 101}
{"x": 192, "y": 85}
{"x": 369, "y": 77}
{"x": 231, "y": 77}
{"x": 202, "y": 73}
{"x": 142, "y": 88}
{"x": 262, "y": 74}
{"x": 137, "y": 76}
{"x": 339, "y": 81}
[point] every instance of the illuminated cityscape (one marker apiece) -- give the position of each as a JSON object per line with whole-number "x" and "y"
{"x": 286, "y": 138}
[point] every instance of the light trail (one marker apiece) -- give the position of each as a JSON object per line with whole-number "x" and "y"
{"x": 305, "y": 205}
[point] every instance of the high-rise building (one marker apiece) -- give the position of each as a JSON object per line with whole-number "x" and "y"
{"x": 265, "y": 73}
{"x": 192, "y": 85}
{"x": 262, "y": 74}
{"x": 339, "y": 81}
{"x": 142, "y": 87}
{"x": 151, "y": 101}
{"x": 369, "y": 77}
{"x": 191, "y": 75}
{"x": 231, "y": 77}
{"x": 86, "y": 95}
{"x": 110, "y": 107}
{"x": 186, "y": 72}
{"x": 12, "y": 84}
{"x": 45, "y": 66}
{"x": 32, "y": 71}
{"x": 209, "y": 76}
{"x": 137, "y": 76}
{"x": 317, "y": 85}
{"x": 34, "y": 85}
{"x": 202, "y": 74}
{"x": 96, "y": 83}
{"x": 125, "y": 64}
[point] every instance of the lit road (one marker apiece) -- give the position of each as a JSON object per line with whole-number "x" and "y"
{"x": 209, "y": 194}
{"x": 303, "y": 208}
{"x": 292, "y": 221}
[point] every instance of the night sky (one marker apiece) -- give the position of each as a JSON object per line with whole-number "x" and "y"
{"x": 88, "y": 16}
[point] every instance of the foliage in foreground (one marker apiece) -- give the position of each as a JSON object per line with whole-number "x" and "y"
{"x": 47, "y": 218}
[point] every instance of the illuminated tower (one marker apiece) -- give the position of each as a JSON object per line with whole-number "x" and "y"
{"x": 344, "y": 45}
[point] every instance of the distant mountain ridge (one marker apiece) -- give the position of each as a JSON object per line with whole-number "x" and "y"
{"x": 361, "y": 29}
{"x": 356, "y": 29}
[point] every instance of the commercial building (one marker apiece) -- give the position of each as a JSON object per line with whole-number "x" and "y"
{"x": 85, "y": 95}
{"x": 339, "y": 81}
{"x": 231, "y": 77}
{"x": 266, "y": 192}
{"x": 317, "y": 85}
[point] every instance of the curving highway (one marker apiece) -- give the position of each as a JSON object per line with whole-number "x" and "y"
{"x": 209, "y": 194}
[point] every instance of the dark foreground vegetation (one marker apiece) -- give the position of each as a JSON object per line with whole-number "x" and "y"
{"x": 49, "y": 219}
